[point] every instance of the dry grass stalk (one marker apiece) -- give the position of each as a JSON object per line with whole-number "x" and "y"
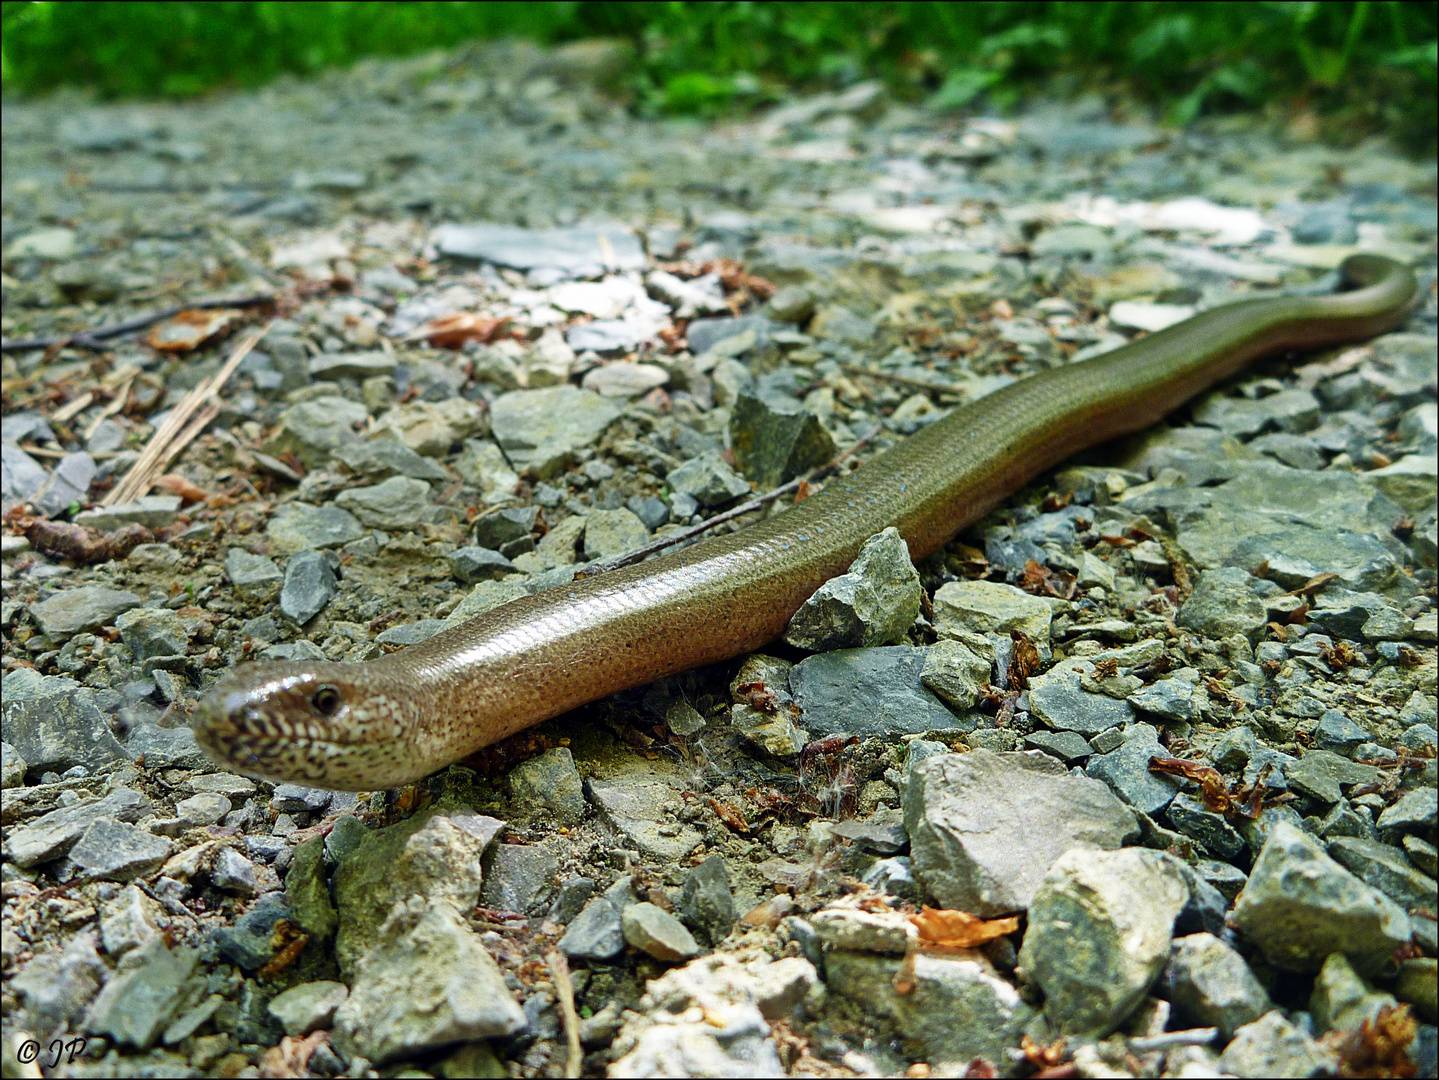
{"x": 177, "y": 431}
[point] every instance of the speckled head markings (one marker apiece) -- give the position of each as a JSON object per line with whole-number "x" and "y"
{"x": 395, "y": 719}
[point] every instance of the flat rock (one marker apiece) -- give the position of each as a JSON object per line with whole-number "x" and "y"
{"x": 868, "y": 691}
{"x": 984, "y": 827}
{"x": 580, "y": 251}
{"x": 1299, "y": 906}
{"x": 1212, "y": 985}
{"x": 541, "y": 429}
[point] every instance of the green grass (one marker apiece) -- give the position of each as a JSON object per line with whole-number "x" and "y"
{"x": 1360, "y": 66}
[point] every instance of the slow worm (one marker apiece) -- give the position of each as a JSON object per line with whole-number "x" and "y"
{"x": 397, "y": 718}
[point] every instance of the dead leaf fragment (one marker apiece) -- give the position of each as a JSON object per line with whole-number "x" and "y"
{"x": 946, "y": 930}
{"x": 175, "y": 484}
{"x": 452, "y": 331}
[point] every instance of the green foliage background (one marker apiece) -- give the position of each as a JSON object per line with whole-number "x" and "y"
{"x": 1361, "y": 66}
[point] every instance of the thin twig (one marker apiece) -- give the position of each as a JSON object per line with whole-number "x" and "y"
{"x": 565, "y": 992}
{"x": 1171, "y": 1039}
{"x": 90, "y": 339}
{"x": 173, "y": 434}
{"x": 680, "y": 536}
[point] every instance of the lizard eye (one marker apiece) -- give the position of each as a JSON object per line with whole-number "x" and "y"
{"x": 326, "y": 700}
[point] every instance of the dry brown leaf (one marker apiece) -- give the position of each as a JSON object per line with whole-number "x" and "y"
{"x": 175, "y": 484}
{"x": 452, "y": 331}
{"x": 945, "y": 930}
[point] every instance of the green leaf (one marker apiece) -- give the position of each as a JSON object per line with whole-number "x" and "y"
{"x": 962, "y": 86}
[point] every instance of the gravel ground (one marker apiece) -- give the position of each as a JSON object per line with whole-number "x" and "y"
{"x": 502, "y": 329}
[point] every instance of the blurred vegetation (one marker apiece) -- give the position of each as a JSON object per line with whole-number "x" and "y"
{"x": 1359, "y": 67}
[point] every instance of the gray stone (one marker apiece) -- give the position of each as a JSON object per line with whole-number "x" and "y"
{"x": 233, "y": 873}
{"x": 1299, "y": 906}
{"x": 985, "y": 827}
{"x": 550, "y": 782}
{"x": 706, "y": 901}
{"x": 303, "y": 1008}
{"x": 709, "y": 481}
{"x": 483, "y": 464}
{"x": 309, "y": 586}
{"x": 989, "y": 607}
{"x": 597, "y": 932}
{"x": 540, "y": 430}
{"x": 472, "y": 564}
{"x": 433, "y": 427}
{"x": 773, "y": 732}
{"x": 143, "y": 995}
{"x": 1294, "y": 555}
{"x": 653, "y": 930}
{"x": 398, "y": 503}
{"x": 206, "y": 808}
{"x": 1122, "y": 906}
{"x": 868, "y": 691}
{"x": 499, "y": 527}
{"x": 1341, "y": 1000}
{"x": 151, "y": 511}
{"x": 1319, "y": 774}
{"x": 377, "y": 459}
{"x": 314, "y": 429}
{"x": 704, "y": 334}
{"x": 52, "y": 835}
{"x": 1127, "y": 773}
{"x": 1272, "y": 1046}
{"x": 298, "y": 526}
{"x": 88, "y": 607}
{"x": 1057, "y": 699}
{"x": 253, "y": 576}
{"x": 611, "y": 533}
{"x": 875, "y": 603}
{"x": 837, "y": 323}
{"x": 352, "y": 365}
{"x": 1067, "y": 746}
{"x": 519, "y": 877}
{"x": 960, "y": 1009}
{"x": 434, "y": 856}
{"x": 1415, "y": 812}
{"x": 426, "y": 982}
{"x": 623, "y": 379}
{"x": 651, "y": 511}
{"x": 307, "y": 887}
{"x": 1289, "y": 410}
{"x": 637, "y": 809}
{"x": 113, "y": 851}
{"x": 166, "y": 748}
{"x": 12, "y": 767}
{"x": 581, "y": 251}
{"x": 955, "y": 673}
{"x": 1337, "y": 733}
{"x": 128, "y": 920}
{"x": 1173, "y": 699}
{"x": 1212, "y": 986}
{"x": 775, "y": 439}
{"x": 1386, "y": 869}
{"x": 68, "y": 484}
{"x": 570, "y": 898}
{"x": 152, "y": 632}
{"x": 1423, "y": 854}
{"x": 21, "y": 476}
{"x": 55, "y": 725}
{"x": 1189, "y": 816}
{"x": 1224, "y": 603}
{"x": 728, "y": 1036}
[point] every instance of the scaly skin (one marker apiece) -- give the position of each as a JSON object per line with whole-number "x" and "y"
{"x": 393, "y": 720}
